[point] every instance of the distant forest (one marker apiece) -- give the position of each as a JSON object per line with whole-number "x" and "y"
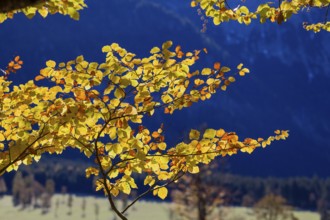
{"x": 69, "y": 176}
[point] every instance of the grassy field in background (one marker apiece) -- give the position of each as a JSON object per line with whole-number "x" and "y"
{"x": 142, "y": 211}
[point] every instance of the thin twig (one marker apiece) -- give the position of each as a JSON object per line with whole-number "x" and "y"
{"x": 152, "y": 189}
{"x": 326, "y": 14}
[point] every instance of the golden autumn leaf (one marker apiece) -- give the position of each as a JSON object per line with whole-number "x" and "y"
{"x": 80, "y": 94}
{"x": 39, "y": 77}
{"x": 216, "y": 66}
{"x": 162, "y": 193}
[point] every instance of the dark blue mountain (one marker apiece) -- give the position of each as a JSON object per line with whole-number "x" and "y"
{"x": 287, "y": 89}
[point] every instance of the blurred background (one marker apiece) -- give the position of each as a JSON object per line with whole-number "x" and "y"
{"x": 288, "y": 88}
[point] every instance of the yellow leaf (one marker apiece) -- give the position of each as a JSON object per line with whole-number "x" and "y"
{"x": 3, "y": 17}
{"x": 91, "y": 171}
{"x": 162, "y": 193}
{"x": 162, "y": 146}
{"x": 243, "y": 71}
{"x": 194, "y": 135}
{"x": 50, "y": 63}
{"x": 231, "y": 79}
{"x": 198, "y": 82}
{"x": 220, "y": 132}
{"x": 209, "y": 133}
{"x": 108, "y": 89}
{"x": 154, "y": 50}
{"x": 119, "y": 93}
{"x": 2, "y": 137}
{"x": 55, "y": 89}
{"x": 106, "y": 49}
{"x": 244, "y": 10}
{"x": 167, "y": 45}
{"x": 194, "y": 169}
{"x": 114, "y": 191}
{"x": 81, "y": 130}
{"x": 239, "y": 66}
{"x": 113, "y": 133}
{"x": 126, "y": 188}
{"x": 206, "y": 71}
{"x": 225, "y": 69}
{"x": 167, "y": 98}
{"x": 149, "y": 180}
{"x": 47, "y": 72}
{"x": 43, "y": 12}
{"x": 73, "y": 14}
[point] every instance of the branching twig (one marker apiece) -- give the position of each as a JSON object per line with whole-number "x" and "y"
{"x": 326, "y": 14}
{"x": 152, "y": 189}
{"x": 11, "y": 5}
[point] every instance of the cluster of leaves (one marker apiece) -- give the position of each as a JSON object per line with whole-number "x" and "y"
{"x": 12, "y": 66}
{"x": 8, "y": 8}
{"x": 98, "y": 108}
{"x": 318, "y": 27}
{"x": 221, "y": 11}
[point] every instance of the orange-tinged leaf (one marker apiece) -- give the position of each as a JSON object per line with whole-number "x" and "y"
{"x": 105, "y": 98}
{"x": 217, "y": 66}
{"x": 177, "y": 49}
{"x": 17, "y": 66}
{"x": 39, "y": 77}
{"x": 167, "y": 110}
{"x": 80, "y": 94}
{"x": 155, "y": 134}
{"x": 17, "y": 58}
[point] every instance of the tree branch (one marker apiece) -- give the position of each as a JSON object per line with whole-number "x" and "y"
{"x": 326, "y": 14}
{"x": 19, "y": 157}
{"x": 11, "y": 5}
{"x": 152, "y": 188}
